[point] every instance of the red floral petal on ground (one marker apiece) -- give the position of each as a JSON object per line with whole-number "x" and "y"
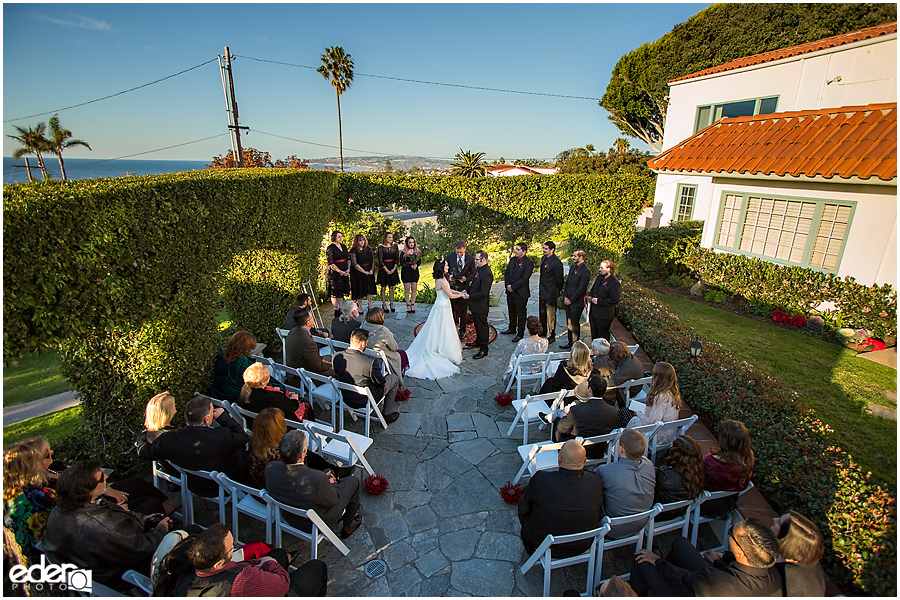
{"x": 503, "y": 398}
{"x": 375, "y": 484}
{"x": 511, "y": 493}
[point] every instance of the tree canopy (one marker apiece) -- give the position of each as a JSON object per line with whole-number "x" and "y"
{"x": 621, "y": 158}
{"x": 637, "y": 94}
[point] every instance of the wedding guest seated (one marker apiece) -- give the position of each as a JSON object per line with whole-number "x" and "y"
{"x": 268, "y": 429}
{"x": 259, "y": 393}
{"x": 611, "y": 588}
{"x": 744, "y": 571}
{"x": 355, "y": 368}
{"x": 628, "y": 483}
{"x": 346, "y": 323}
{"x": 158, "y": 417}
{"x": 303, "y": 303}
{"x": 533, "y": 344}
{"x": 163, "y": 574}
{"x": 600, "y": 352}
{"x": 728, "y": 467}
{"x": 199, "y": 446}
{"x": 294, "y": 483}
{"x": 27, "y": 495}
{"x": 587, "y": 418}
{"x": 570, "y": 372}
{"x": 560, "y": 502}
{"x": 231, "y": 361}
{"x": 302, "y": 352}
{"x": 680, "y": 477}
{"x": 801, "y": 546}
{"x": 381, "y": 338}
{"x": 214, "y": 572}
{"x": 94, "y": 533}
{"x": 662, "y": 403}
{"x": 627, "y": 367}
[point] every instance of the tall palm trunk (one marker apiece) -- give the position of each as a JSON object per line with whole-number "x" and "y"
{"x": 62, "y": 166}
{"x": 340, "y": 135}
{"x": 40, "y": 160}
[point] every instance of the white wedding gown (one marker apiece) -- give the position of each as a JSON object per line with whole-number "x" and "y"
{"x": 436, "y": 351}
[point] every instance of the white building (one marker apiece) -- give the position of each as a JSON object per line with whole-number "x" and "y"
{"x": 791, "y": 155}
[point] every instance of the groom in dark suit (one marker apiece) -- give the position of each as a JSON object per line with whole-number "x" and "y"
{"x": 479, "y": 302}
{"x": 462, "y": 269}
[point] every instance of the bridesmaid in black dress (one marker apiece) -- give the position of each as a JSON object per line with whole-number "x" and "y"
{"x": 362, "y": 271}
{"x": 410, "y": 259}
{"x": 337, "y": 278}
{"x": 388, "y": 258}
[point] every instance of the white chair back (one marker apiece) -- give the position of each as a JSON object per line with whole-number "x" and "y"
{"x": 159, "y": 474}
{"x": 371, "y": 407}
{"x": 552, "y": 364}
{"x": 723, "y": 525}
{"x": 528, "y": 409}
{"x": 319, "y": 531}
{"x": 643, "y": 518}
{"x": 247, "y": 500}
{"x": 187, "y": 497}
{"x": 648, "y": 431}
{"x": 679, "y": 425}
{"x": 138, "y": 580}
{"x": 527, "y": 368}
{"x": 543, "y": 553}
{"x": 282, "y": 335}
{"x": 684, "y": 507}
{"x": 345, "y": 447}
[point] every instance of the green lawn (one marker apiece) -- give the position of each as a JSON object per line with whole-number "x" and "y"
{"x": 34, "y": 377}
{"x": 830, "y": 379}
{"x": 54, "y": 426}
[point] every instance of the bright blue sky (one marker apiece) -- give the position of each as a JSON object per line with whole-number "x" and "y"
{"x": 56, "y": 55}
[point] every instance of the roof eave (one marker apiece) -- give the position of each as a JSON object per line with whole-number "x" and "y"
{"x": 792, "y": 178}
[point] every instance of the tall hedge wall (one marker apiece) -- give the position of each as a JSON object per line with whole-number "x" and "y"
{"x": 125, "y": 275}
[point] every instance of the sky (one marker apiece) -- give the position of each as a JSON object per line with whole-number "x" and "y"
{"x": 59, "y": 55}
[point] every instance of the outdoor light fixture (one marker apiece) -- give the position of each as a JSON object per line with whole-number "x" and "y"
{"x": 696, "y": 348}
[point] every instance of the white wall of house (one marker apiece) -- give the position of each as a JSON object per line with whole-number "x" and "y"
{"x": 867, "y": 71}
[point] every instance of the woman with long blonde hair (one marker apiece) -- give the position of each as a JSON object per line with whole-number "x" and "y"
{"x": 570, "y": 372}
{"x": 663, "y": 401}
{"x": 158, "y": 415}
{"x": 27, "y": 499}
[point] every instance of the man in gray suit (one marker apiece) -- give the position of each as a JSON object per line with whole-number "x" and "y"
{"x": 628, "y": 483}
{"x": 292, "y": 482}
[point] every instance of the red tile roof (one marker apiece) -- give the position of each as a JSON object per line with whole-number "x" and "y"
{"x": 846, "y": 142}
{"x": 773, "y": 55}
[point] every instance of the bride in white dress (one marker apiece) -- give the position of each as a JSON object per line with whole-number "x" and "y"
{"x": 436, "y": 351}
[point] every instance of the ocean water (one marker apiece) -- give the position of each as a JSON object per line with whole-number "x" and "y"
{"x": 90, "y": 168}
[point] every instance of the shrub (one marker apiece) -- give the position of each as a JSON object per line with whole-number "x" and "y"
{"x": 659, "y": 249}
{"x": 431, "y": 240}
{"x": 808, "y": 474}
{"x": 798, "y": 290}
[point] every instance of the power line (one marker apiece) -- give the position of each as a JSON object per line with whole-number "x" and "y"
{"x": 112, "y": 95}
{"x": 457, "y": 85}
{"x": 74, "y": 166}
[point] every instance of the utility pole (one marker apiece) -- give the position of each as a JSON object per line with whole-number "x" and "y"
{"x": 231, "y": 107}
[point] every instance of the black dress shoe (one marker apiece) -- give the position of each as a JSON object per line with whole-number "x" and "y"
{"x": 473, "y": 345}
{"x": 508, "y": 332}
{"x": 565, "y": 346}
{"x": 550, "y": 340}
{"x": 348, "y": 531}
{"x": 392, "y": 417}
{"x": 517, "y": 339}
{"x": 481, "y": 354}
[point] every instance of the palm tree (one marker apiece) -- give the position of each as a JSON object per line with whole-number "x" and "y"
{"x": 60, "y": 139}
{"x": 33, "y": 142}
{"x": 622, "y": 145}
{"x": 338, "y": 67}
{"x": 468, "y": 164}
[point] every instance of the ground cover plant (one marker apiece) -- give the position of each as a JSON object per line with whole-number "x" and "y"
{"x": 799, "y": 464}
{"x": 33, "y": 377}
{"x": 58, "y": 427}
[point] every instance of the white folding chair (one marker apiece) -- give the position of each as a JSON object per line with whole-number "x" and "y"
{"x": 159, "y": 473}
{"x": 544, "y": 456}
{"x": 366, "y": 411}
{"x": 683, "y": 522}
{"x": 141, "y": 582}
{"x": 282, "y": 335}
{"x": 222, "y": 404}
{"x": 649, "y": 433}
{"x": 527, "y": 411}
{"x": 721, "y": 526}
{"x": 614, "y": 523}
{"x": 188, "y": 496}
{"x": 337, "y": 345}
{"x": 634, "y": 348}
{"x": 543, "y": 554}
{"x": 247, "y": 500}
{"x": 552, "y": 364}
{"x": 245, "y": 414}
{"x": 679, "y": 425}
{"x": 324, "y": 345}
{"x": 522, "y": 371}
{"x": 636, "y": 389}
{"x": 274, "y": 372}
{"x": 345, "y": 447}
{"x": 319, "y": 531}
{"x": 320, "y": 390}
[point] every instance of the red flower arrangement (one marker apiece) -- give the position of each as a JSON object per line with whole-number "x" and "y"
{"x": 779, "y": 316}
{"x": 871, "y": 344}
{"x": 375, "y": 484}
{"x": 503, "y": 398}
{"x": 511, "y": 492}
{"x": 402, "y": 394}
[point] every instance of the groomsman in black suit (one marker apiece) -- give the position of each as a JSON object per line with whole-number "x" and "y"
{"x": 573, "y": 296}
{"x": 479, "y": 302}
{"x": 462, "y": 269}
{"x": 518, "y": 272}
{"x": 551, "y": 284}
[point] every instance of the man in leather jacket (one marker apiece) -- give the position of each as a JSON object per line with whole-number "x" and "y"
{"x": 94, "y": 533}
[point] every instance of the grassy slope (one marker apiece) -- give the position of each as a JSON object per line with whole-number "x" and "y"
{"x": 34, "y": 377}
{"x": 53, "y": 426}
{"x": 830, "y": 379}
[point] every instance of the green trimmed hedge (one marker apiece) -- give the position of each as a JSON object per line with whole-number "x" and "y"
{"x": 798, "y": 290}
{"x": 125, "y": 275}
{"x": 658, "y": 249}
{"x": 797, "y": 465}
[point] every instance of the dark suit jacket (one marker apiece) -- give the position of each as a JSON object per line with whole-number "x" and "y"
{"x": 355, "y": 368}
{"x": 303, "y": 353}
{"x": 302, "y": 487}
{"x": 587, "y": 419}
{"x": 560, "y": 502}
{"x": 467, "y": 271}
{"x": 723, "y": 579}
{"x": 518, "y": 272}
{"x": 608, "y": 292}
{"x": 341, "y": 331}
{"x": 197, "y": 447}
{"x": 552, "y": 281}
{"x": 480, "y": 292}
{"x": 577, "y": 283}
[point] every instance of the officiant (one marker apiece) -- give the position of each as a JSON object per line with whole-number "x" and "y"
{"x": 462, "y": 269}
